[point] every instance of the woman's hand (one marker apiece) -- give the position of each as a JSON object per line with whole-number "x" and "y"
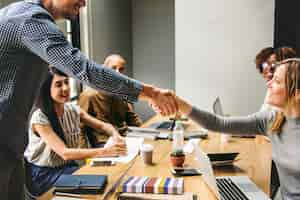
{"x": 116, "y": 149}
{"x": 119, "y": 139}
{"x": 185, "y": 108}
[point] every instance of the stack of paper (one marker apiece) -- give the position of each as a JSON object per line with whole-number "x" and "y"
{"x": 146, "y": 133}
{"x": 135, "y": 184}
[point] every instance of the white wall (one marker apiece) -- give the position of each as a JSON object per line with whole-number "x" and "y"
{"x": 153, "y": 41}
{"x": 216, "y": 42}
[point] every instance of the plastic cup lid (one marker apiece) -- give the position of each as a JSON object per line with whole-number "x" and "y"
{"x": 146, "y": 147}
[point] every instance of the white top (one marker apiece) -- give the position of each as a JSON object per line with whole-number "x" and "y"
{"x": 38, "y": 152}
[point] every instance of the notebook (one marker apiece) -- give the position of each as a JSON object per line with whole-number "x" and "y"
{"x": 155, "y": 185}
{"x": 229, "y": 187}
{"x": 80, "y": 184}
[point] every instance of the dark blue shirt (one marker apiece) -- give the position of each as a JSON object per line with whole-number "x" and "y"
{"x": 30, "y": 41}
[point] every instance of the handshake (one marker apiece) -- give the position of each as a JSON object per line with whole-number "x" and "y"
{"x": 164, "y": 102}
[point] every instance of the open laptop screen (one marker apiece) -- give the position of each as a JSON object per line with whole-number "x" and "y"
{"x": 205, "y": 166}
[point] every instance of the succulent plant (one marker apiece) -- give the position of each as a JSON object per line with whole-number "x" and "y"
{"x": 177, "y": 152}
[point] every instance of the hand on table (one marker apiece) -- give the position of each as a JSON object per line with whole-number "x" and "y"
{"x": 116, "y": 149}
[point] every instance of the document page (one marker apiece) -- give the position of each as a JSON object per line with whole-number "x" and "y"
{"x": 133, "y": 146}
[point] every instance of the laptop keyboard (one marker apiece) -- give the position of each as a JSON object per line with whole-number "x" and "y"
{"x": 229, "y": 190}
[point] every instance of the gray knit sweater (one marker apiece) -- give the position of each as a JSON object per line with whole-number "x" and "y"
{"x": 285, "y": 146}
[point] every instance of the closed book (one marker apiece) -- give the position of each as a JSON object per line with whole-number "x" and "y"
{"x": 81, "y": 184}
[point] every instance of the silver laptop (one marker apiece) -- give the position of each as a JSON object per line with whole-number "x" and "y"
{"x": 227, "y": 187}
{"x": 217, "y": 107}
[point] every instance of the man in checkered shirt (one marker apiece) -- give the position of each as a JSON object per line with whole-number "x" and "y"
{"x": 30, "y": 41}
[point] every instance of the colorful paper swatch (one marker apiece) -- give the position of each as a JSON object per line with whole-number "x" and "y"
{"x": 135, "y": 184}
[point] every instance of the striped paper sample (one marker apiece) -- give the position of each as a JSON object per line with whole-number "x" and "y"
{"x": 135, "y": 184}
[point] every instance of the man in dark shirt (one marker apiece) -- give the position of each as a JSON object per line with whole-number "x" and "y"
{"x": 30, "y": 41}
{"x": 107, "y": 108}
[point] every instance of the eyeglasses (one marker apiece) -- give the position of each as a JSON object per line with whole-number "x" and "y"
{"x": 273, "y": 66}
{"x": 266, "y": 64}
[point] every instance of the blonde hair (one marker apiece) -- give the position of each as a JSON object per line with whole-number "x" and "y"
{"x": 292, "y": 83}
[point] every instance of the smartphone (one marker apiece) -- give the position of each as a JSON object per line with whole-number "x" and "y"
{"x": 102, "y": 163}
{"x": 185, "y": 172}
{"x": 222, "y": 156}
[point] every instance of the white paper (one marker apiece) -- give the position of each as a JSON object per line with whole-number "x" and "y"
{"x": 133, "y": 146}
{"x": 189, "y": 146}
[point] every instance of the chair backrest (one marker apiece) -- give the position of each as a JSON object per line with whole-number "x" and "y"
{"x": 217, "y": 107}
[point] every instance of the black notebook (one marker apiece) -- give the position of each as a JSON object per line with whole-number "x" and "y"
{"x": 80, "y": 184}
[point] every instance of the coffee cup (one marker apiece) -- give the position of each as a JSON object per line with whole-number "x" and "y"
{"x": 146, "y": 152}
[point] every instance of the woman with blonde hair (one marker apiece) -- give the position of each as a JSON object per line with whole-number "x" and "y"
{"x": 282, "y": 127}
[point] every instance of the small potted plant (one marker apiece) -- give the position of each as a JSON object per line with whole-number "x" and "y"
{"x": 177, "y": 157}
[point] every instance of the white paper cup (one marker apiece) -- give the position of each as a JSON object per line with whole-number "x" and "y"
{"x": 146, "y": 151}
{"x": 225, "y": 138}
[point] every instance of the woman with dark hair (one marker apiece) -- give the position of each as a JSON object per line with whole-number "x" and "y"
{"x": 265, "y": 60}
{"x": 282, "y": 127}
{"x": 265, "y": 55}
{"x": 54, "y": 132}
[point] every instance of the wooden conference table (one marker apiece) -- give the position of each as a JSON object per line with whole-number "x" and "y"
{"x": 254, "y": 161}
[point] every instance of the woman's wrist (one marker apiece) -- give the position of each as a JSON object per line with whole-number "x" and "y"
{"x": 108, "y": 129}
{"x": 101, "y": 152}
{"x": 185, "y": 108}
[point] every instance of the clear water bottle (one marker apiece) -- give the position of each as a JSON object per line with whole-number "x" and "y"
{"x": 178, "y": 140}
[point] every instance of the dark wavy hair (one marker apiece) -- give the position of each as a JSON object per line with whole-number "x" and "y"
{"x": 281, "y": 53}
{"x": 45, "y": 103}
{"x": 262, "y": 56}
